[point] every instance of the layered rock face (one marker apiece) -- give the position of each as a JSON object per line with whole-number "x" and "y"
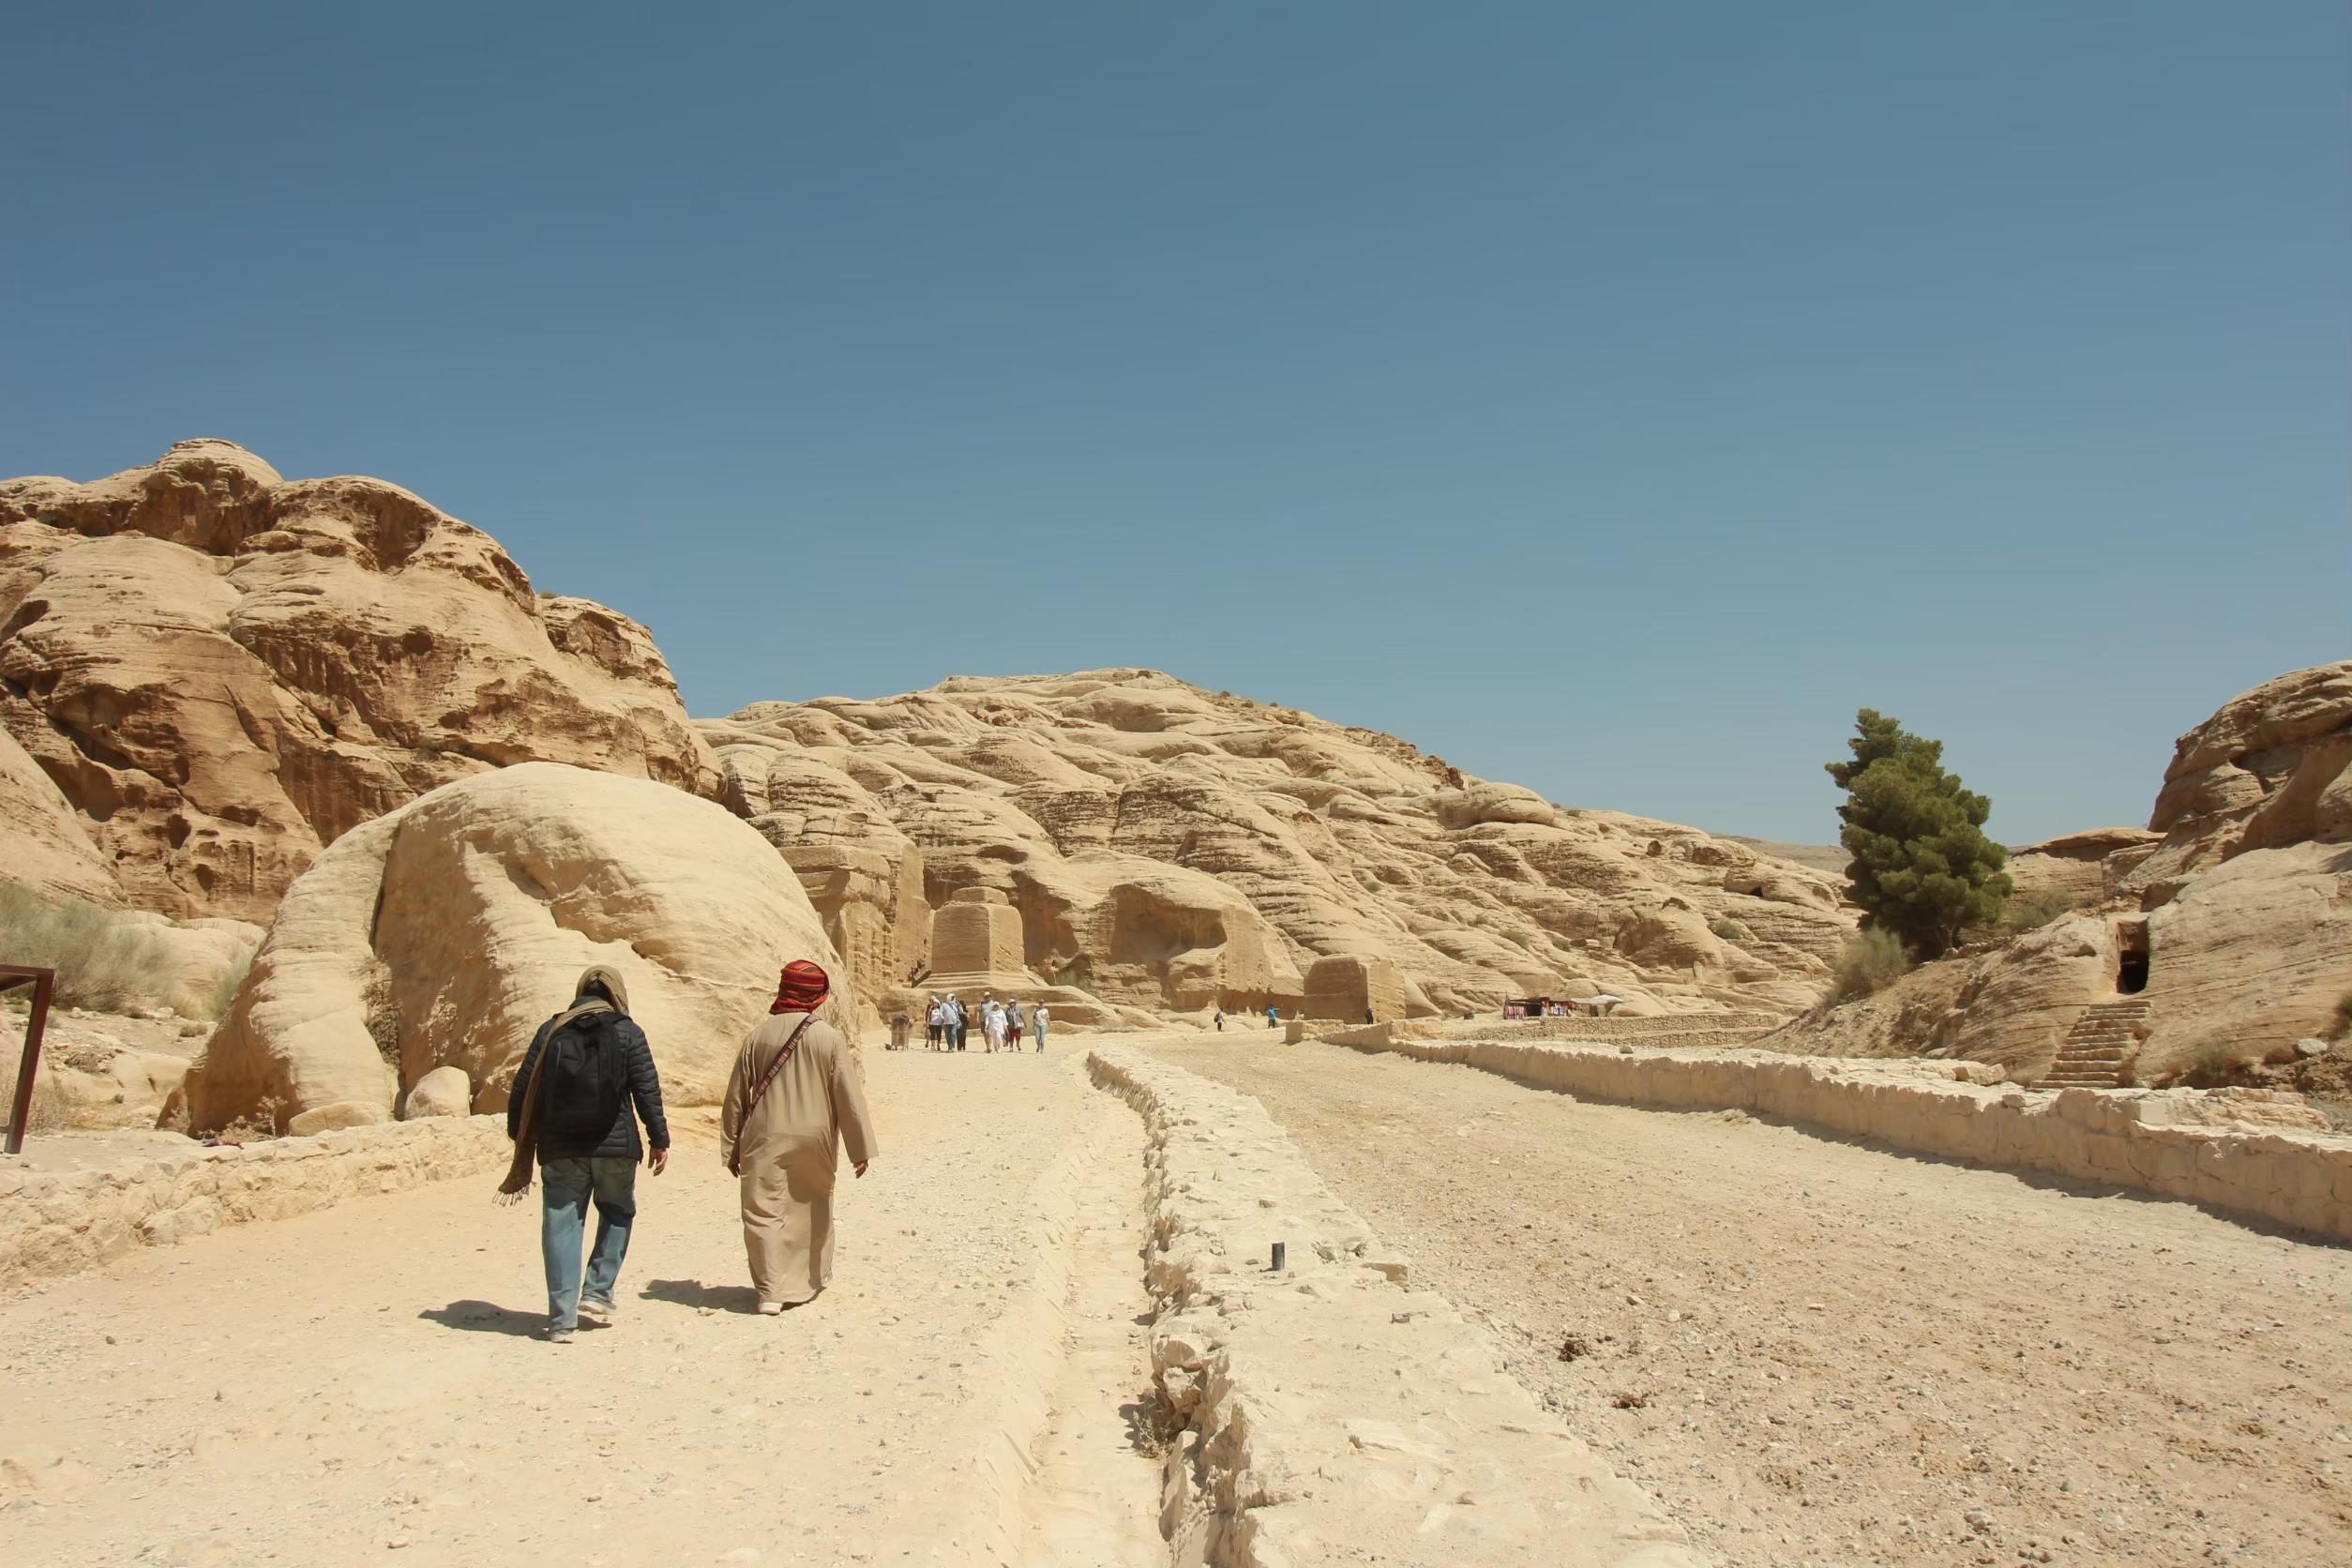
{"x": 49, "y": 846}
{"x": 221, "y": 671}
{"x": 873, "y": 912}
{"x": 2080, "y": 868}
{"x": 1170, "y": 849}
{"x": 442, "y": 935}
{"x": 1354, "y": 989}
{"x": 2239, "y": 894}
{"x": 2273, "y": 768}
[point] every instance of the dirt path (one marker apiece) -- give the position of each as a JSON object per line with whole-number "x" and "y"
{"x": 365, "y": 1385}
{"x": 1095, "y": 1501}
{"x": 1820, "y": 1352}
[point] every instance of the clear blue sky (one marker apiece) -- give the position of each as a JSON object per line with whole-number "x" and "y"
{"x": 1609, "y": 397}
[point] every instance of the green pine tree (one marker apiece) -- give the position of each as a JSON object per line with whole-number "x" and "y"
{"x": 1922, "y": 867}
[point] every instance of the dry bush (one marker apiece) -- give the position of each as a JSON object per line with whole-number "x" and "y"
{"x": 1870, "y": 961}
{"x": 2343, "y": 1018}
{"x": 384, "y": 1019}
{"x": 51, "y": 1109}
{"x": 258, "y": 1125}
{"x": 103, "y": 960}
{"x": 2214, "y": 1065}
{"x": 1154, "y": 1426}
{"x": 2035, "y": 911}
{"x": 1730, "y": 929}
{"x": 215, "y": 1004}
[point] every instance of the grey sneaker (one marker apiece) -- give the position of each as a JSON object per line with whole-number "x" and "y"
{"x": 559, "y": 1337}
{"x": 596, "y": 1312}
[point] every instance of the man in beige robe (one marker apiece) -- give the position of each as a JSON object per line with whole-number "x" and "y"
{"x": 782, "y": 1140}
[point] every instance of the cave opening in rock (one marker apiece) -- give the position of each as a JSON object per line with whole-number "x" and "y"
{"x": 2130, "y": 972}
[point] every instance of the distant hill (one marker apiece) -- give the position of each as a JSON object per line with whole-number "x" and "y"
{"x": 1178, "y": 848}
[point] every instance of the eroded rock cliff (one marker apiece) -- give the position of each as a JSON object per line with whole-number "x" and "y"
{"x": 221, "y": 671}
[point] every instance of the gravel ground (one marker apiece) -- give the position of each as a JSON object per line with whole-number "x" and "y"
{"x": 1817, "y": 1352}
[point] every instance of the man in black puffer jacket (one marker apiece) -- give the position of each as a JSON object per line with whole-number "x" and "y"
{"x": 584, "y": 1083}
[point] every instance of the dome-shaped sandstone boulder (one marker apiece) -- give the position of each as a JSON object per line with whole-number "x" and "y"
{"x": 444, "y": 1091}
{"x": 442, "y": 934}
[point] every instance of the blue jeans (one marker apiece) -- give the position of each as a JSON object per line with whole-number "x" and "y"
{"x": 565, "y": 1186}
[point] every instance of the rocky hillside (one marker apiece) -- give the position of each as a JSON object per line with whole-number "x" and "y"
{"x": 2239, "y": 892}
{"x": 208, "y": 673}
{"x": 1174, "y": 849}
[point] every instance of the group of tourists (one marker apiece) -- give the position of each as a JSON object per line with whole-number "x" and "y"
{"x": 947, "y": 1022}
{"x": 588, "y": 1080}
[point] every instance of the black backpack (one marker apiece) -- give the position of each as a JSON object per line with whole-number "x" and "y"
{"x": 587, "y": 1066}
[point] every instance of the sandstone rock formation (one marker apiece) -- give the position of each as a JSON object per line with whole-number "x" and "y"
{"x": 2240, "y": 897}
{"x": 1358, "y": 990}
{"x": 100, "y": 1072}
{"x": 444, "y": 1091}
{"x": 442, "y": 934}
{"x": 222, "y": 672}
{"x": 2272, "y": 768}
{"x": 977, "y": 953}
{"x": 1170, "y": 849}
{"x": 2079, "y": 867}
{"x": 862, "y": 898}
{"x": 49, "y": 845}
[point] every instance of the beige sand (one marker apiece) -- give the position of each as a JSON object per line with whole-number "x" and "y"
{"x": 364, "y": 1384}
{"x": 1835, "y": 1355}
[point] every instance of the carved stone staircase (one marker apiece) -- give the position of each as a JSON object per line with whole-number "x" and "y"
{"x": 2093, "y": 1053}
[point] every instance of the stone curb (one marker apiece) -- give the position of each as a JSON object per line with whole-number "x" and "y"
{"x": 60, "y": 1223}
{"x": 2115, "y": 1137}
{"x": 1330, "y": 1411}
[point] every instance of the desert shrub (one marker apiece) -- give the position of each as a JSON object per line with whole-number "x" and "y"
{"x": 1870, "y": 961}
{"x": 216, "y": 1002}
{"x": 2035, "y": 911}
{"x": 103, "y": 959}
{"x": 1921, "y": 866}
{"x": 51, "y": 1109}
{"x": 384, "y": 1019}
{"x": 2213, "y": 1065}
{"x": 258, "y": 1125}
{"x": 2344, "y": 1017}
{"x": 1730, "y": 929}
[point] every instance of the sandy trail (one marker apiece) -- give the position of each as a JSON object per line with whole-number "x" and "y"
{"x": 365, "y": 1384}
{"x": 1815, "y": 1351}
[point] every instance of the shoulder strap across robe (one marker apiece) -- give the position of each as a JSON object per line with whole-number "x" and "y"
{"x": 767, "y": 1077}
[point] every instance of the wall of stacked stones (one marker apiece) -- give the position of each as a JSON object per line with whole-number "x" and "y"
{"x": 2302, "y": 1180}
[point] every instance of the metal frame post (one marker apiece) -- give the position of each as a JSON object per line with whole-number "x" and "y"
{"x": 44, "y": 984}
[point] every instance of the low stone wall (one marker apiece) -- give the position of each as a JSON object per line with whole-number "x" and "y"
{"x": 59, "y": 1223}
{"x": 2158, "y": 1141}
{"x": 1660, "y": 1030}
{"x": 1330, "y": 1411}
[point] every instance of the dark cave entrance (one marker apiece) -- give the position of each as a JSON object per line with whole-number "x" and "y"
{"x": 2131, "y": 970}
